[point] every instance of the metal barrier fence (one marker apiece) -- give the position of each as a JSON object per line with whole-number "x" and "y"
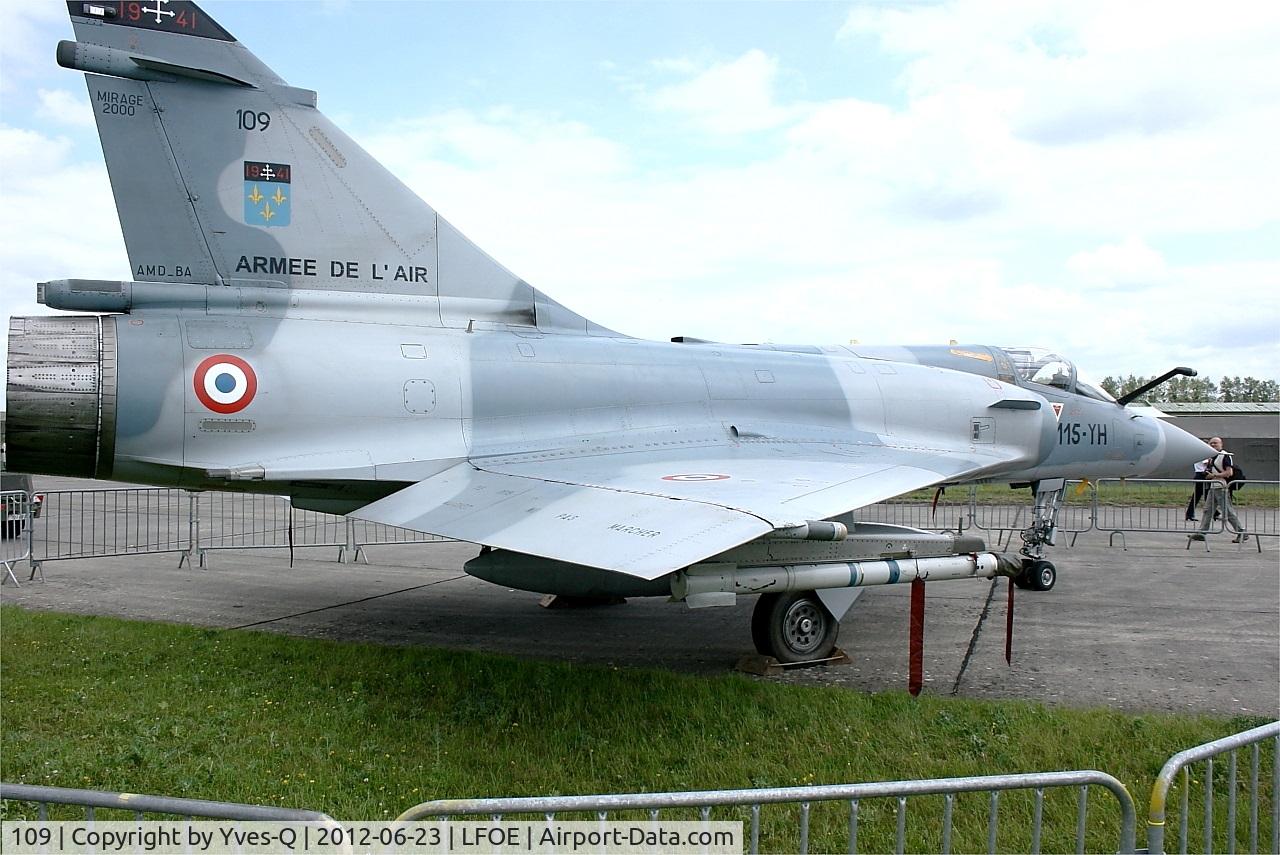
{"x": 252, "y": 521}
{"x": 140, "y": 804}
{"x": 1183, "y": 761}
{"x": 129, "y": 521}
{"x": 949, "y": 514}
{"x": 1118, "y": 506}
{"x": 103, "y": 523}
{"x": 804, "y": 797}
{"x": 16, "y": 507}
{"x": 1079, "y": 505}
{"x": 1256, "y": 504}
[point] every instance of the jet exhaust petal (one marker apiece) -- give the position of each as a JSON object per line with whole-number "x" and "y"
{"x": 61, "y": 391}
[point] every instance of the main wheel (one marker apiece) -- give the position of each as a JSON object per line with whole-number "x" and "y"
{"x": 793, "y": 627}
{"x": 1041, "y": 575}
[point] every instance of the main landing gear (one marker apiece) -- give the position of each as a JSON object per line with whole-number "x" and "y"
{"x": 793, "y": 627}
{"x": 1038, "y": 573}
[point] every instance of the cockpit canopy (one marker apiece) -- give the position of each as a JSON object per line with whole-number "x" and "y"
{"x": 1045, "y": 368}
{"x": 1024, "y": 366}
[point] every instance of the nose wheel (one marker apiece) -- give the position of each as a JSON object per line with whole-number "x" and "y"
{"x": 793, "y": 627}
{"x": 1037, "y": 575}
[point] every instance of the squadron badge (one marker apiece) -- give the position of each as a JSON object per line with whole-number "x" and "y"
{"x": 268, "y": 193}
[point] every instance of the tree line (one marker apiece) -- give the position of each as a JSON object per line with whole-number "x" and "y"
{"x": 1197, "y": 389}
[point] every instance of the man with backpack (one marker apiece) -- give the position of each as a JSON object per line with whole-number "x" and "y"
{"x": 1220, "y": 472}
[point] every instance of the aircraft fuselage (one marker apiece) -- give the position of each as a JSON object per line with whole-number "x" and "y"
{"x": 348, "y": 390}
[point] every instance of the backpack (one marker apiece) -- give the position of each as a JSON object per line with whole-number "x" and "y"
{"x": 1220, "y": 461}
{"x": 1237, "y": 476}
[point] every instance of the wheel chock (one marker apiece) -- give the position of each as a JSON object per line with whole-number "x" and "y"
{"x": 768, "y": 666}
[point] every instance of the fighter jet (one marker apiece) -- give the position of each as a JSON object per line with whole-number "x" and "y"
{"x": 300, "y": 323}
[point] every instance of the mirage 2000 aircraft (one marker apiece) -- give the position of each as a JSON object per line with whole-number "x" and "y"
{"x": 300, "y": 323}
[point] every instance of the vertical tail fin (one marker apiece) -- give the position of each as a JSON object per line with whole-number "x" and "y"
{"x": 223, "y": 173}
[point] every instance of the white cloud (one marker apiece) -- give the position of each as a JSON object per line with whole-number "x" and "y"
{"x": 1089, "y": 122}
{"x": 65, "y": 108}
{"x": 1087, "y": 70}
{"x": 58, "y": 216}
{"x": 835, "y": 234}
{"x": 727, "y": 98}
{"x": 526, "y": 143}
{"x": 26, "y": 51}
{"x": 676, "y": 65}
{"x": 1130, "y": 264}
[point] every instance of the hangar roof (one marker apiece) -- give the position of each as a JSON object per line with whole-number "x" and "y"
{"x": 1214, "y": 408}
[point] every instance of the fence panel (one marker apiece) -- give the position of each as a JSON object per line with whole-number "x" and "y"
{"x": 950, "y": 514}
{"x": 1007, "y": 519}
{"x": 241, "y": 521}
{"x": 17, "y": 508}
{"x": 365, "y": 533}
{"x": 1257, "y": 504}
{"x": 848, "y": 799}
{"x": 1160, "y": 506}
{"x": 149, "y": 520}
{"x": 252, "y": 521}
{"x": 255, "y": 521}
{"x": 102, "y": 523}
{"x": 137, "y": 804}
{"x": 1220, "y": 821}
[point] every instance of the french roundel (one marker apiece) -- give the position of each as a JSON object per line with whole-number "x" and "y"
{"x": 225, "y": 383}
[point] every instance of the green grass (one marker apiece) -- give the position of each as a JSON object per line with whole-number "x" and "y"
{"x": 363, "y": 732}
{"x": 1153, "y": 495}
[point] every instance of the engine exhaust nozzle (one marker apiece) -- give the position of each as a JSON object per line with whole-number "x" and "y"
{"x": 61, "y": 393}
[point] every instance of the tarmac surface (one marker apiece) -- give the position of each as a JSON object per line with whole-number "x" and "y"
{"x": 1155, "y": 626}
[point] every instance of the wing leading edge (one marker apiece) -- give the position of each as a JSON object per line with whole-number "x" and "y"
{"x": 649, "y": 513}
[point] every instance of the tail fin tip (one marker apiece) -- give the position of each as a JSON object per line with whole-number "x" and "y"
{"x": 182, "y": 17}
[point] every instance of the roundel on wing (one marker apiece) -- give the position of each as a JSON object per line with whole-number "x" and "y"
{"x": 225, "y": 383}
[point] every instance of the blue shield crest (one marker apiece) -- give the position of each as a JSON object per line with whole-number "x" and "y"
{"x": 268, "y": 193}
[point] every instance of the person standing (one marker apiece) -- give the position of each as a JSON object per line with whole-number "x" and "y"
{"x": 1219, "y": 473}
{"x": 1201, "y": 470}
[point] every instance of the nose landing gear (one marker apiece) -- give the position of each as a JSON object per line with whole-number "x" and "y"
{"x": 1038, "y": 573}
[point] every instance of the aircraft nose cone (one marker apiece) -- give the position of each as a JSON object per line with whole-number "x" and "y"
{"x": 1181, "y": 452}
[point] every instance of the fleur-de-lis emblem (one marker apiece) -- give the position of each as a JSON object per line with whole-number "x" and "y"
{"x": 270, "y": 206}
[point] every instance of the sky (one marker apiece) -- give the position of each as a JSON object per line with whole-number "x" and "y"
{"x": 1096, "y": 178}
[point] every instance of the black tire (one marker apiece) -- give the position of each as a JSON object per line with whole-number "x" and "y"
{"x": 1041, "y": 575}
{"x": 1021, "y": 579}
{"x": 793, "y": 627}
